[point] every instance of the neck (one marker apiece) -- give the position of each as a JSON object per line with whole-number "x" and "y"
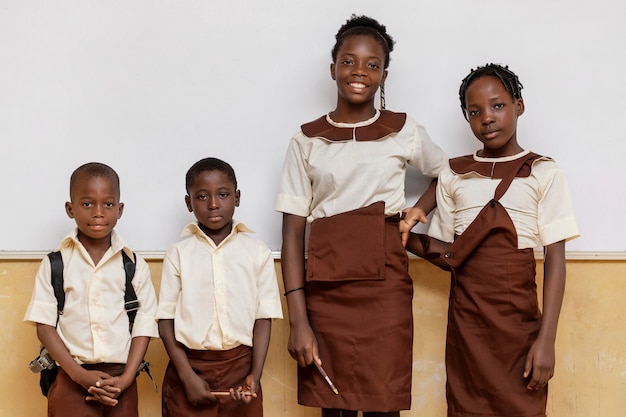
{"x": 217, "y": 235}
{"x": 353, "y": 113}
{"x": 96, "y": 248}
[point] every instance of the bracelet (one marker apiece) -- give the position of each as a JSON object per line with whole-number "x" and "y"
{"x": 292, "y": 290}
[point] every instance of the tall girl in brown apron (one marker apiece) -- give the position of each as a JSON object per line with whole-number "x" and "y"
{"x": 344, "y": 173}
{"x": 493, "y": 208}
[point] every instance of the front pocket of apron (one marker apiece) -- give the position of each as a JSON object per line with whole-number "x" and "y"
{"x": 348, "y": 246}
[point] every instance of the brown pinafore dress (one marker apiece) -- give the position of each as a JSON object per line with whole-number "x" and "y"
{"x": 493, "y": 316}
{"x": 359, "y": 298}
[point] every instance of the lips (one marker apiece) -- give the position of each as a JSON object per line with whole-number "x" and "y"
{"x": 490, "y": 133}
{"x": 357, "y": 85}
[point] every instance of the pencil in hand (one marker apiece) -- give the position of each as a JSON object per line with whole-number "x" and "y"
{"x": 327, "y": 378}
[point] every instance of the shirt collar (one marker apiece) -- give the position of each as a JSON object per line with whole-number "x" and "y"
{"x": 117, "y": 243}
{"x": 192, "y": 229}
{"x": 382, "y": 124}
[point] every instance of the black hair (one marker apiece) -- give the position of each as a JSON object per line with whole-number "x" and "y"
{"x": 209, "y": 164}
{"x": 503, "y": 73}
{"x": 95, "y": 169}
{"x": 364, "y": 25}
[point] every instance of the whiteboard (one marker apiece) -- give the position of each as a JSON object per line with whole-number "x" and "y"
{"x": 150, "y": 87}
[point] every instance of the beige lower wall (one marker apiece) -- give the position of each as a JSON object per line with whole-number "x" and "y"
{"x": 590, "y": 376}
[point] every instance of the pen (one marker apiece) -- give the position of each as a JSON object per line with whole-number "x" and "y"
{"x": 325, "y": 375}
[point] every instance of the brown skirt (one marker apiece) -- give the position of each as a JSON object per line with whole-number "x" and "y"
{"x": 363, "y": 321}
{"x": 493, "y": 320}
{"x": 222, "y": 370}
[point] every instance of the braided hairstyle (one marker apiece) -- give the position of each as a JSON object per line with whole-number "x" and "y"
{"x": 503, "y": 73}
{"x": 364, "y": 25}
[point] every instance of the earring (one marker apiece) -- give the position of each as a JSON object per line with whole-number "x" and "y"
{"x": 382, "y": 96}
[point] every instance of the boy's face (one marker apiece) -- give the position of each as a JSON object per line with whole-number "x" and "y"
{"x": 94, "y": 206}
{"x": 212, "y": 198}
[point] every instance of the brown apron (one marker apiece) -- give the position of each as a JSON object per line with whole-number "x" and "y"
{"x": 493, "y": 316}
{"x": 359, "y": 296}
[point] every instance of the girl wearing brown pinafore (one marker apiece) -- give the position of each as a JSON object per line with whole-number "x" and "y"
{"x": 344, "y": 174}
{"x": 493, "y": 208}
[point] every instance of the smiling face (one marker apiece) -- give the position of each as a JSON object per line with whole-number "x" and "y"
{"x": 212, "y": 198}
{"x": 95, "y": 208}
{"x": 492, "y": 114}
{"x": 358, "y": 70}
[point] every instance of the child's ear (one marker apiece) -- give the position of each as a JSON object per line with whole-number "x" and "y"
{"x": 120, "y": 210}
{"x": 384, "y": 77}
{"x": 237, "y": 198}
{"x": 520, "y": 106}
{"x": 332, "y": 71}
{"x": 188, "y": 203}
{"x": 69, "y": 210}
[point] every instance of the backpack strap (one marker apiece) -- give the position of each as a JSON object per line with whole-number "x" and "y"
{"x": 131, "y": 304}
{"x": 56, "y": 278}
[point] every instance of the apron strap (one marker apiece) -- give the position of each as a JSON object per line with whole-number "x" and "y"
{"x": 508, "y": 179}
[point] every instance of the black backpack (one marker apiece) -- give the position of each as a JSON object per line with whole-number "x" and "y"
{"x": 131, "y": 305}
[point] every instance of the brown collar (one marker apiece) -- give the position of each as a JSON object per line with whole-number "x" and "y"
{"x": 387, "y": 123}
{"x": 466, "y": 164}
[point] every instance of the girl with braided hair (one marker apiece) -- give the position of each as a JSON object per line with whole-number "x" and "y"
{"x": 344, "y": 174}
{"x": 493, "y": 208}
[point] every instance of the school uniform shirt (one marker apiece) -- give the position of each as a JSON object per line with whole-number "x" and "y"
{"x": 215, "y": 293}
{"x": 539, "y": 205}
{"x": 322, "y": 177}
{"x": 94, "y": 325}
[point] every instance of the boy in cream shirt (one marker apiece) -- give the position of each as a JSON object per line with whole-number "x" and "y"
{"x": 218, "y": 296}
{"x": 98, "y": 356}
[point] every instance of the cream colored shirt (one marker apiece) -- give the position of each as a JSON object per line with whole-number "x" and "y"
{"x": 321, "y": 178}
{"x": 215, "y": 293}
{"x": 539, "y": 205}
{"x": 94, "y": 323}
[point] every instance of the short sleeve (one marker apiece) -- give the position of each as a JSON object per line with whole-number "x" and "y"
{"x": 42, "y": 307}
{"x": 555, "y": 217}
{"x": 145, "y": 320}
{"x": 268, "y": 297}
{"x": 442, "y": 223}
{"x": 295, "y": 192}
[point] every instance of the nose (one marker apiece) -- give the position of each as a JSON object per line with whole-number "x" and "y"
{"x": 487, "y": 117}
{"x": 359, "y": 69}
{"x": 213, "y": 202}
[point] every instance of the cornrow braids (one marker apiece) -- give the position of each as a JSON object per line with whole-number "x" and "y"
{"x": 364, "y": 25}
{"x": 503, "y": 73}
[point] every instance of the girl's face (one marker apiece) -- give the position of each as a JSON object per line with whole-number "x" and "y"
{"x": 492, "y": 114}
{"x": 359, "y": 69}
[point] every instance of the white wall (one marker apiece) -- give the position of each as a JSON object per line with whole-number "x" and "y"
{"x": 151, "y": 86}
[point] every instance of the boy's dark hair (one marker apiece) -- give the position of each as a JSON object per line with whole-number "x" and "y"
{"x": 209, "y": 164}
{"x": 95, "y": 169}
{"x": 364, "y": 25}
{"x": 503, "y": 73}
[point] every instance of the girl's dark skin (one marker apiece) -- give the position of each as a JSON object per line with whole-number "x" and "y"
{"x": 358, "y": 70}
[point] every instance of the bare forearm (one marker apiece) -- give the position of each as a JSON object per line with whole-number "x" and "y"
{"x": 292, "y": 264}
{"x": 260, "y": 345}
{"x": 138, "y": 348}
{"x": 428, "y": 201}
{"x": 52, "y": 341}
{"x": 174, "y": 349}
{"x": 553, "y": 289}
